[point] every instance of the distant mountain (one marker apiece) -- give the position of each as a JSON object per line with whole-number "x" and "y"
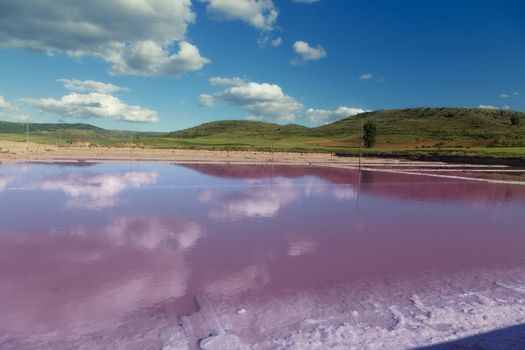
{"x": 14, "y": 127}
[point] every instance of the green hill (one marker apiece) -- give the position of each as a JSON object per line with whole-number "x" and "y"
{"x": 417, "y": 127}
{"x": 14, "y": 128}
{"x": 429, "y": 131}
{"x": 241, "y": 127}
{"x": 56, "y": 133}
{"x": 467, "y": 126}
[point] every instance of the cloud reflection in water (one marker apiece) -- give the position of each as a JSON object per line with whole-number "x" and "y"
{"x": 93, "y": 278}
{"x": 260, "y": 199}
{"x": 96, "y": 190}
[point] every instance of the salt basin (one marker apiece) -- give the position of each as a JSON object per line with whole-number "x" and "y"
{"x": 162, "y": 256}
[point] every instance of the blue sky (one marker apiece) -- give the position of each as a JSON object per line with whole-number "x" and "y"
{"x": 178, "y": 63}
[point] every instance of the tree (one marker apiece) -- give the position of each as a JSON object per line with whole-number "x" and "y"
{"x": 514, "y": 120}
{"x": 369, "y": 136}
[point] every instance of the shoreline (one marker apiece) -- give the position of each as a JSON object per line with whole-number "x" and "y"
{"x": 17, "y": 152}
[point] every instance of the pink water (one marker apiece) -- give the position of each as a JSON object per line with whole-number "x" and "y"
{"x": 86, "y": 251}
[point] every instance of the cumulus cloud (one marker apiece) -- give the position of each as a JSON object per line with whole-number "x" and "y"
{"x": 90, "y": 86}
{"x": 305, "y": 52}
{"x": 23, "y": 118}
{"x": 206, "y": 100}
{"x": 94, "y": 104}
{"x": 322, "y": 116}
{"x": 366, "y": 76}
{"x": 260, "y": 14}
{"x": 148, "y": 58}
{"x": 135, "y": 37}
{"x": 4, "y": 105}
{"x": 487, "y": 107}
{"x": 266, "y": 101}
{"x": 262, "y": 101}
{"x": 9, "y": 111}
{"x": 227, "y": 81}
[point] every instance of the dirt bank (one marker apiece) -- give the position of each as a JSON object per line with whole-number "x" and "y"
{"x": 32, "y": 152}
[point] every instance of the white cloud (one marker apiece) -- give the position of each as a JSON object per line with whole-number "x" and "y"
{"x": 90, "y": 85}
{"x": 504, "y": 95}
{"x": 134, "y": 36}
{"x": 23, "y": 118}
{"x": 264, "y": 40}
{"x": 148, "y": 58}
{"x": 262, "y": 101}
{"x": 268, "y": 102}
{"x": 94, "y": 105}
{"x": 4, "y": 105}
{"x": 227, "y": 81}
{"x": 260, "y": 14}
{"x": 306, "y": 52}
{"x": 516, "y": 93}
{"x": 487, "y": 107}
{"x": 305, "y": 1}
{"x": 11, "y": 112}
{"x": 323, "y": 116}
{"x": 366, "y": 76}
{"x": 206, "y": 100}
{"x": 98, "y": 103}
{"x": 506, "y": 107}
{"x": 277, "y": 42}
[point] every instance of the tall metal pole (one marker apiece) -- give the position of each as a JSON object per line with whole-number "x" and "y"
{"x": 273, "y": 144}
{"x": 360, "y": 143}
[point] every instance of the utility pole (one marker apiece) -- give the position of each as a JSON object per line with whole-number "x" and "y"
{"x": 360, "y": 143}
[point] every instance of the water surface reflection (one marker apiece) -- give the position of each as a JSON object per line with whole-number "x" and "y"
{"x": 166, "y": 233}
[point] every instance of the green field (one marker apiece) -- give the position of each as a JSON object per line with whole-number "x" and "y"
{"x": 416, "y": 132}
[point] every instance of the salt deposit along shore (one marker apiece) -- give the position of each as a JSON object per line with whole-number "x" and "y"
{"x": 23, "y": 152}
{"x": 389, "y": 314}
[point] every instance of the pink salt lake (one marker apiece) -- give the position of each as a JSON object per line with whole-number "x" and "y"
{"x": 116, "y": 255}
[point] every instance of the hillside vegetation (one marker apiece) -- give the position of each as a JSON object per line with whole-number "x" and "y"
{"x": 424, "y": 126}
{"x": 432, "y": 131}
{"x": 227, "y": 128}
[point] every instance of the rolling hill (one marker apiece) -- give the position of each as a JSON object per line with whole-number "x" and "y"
{"x": 458, "y": 126}
{"x": 417, "y": 130}
{"x": 417, "y": 127}
{"x": 241, "y": 127}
